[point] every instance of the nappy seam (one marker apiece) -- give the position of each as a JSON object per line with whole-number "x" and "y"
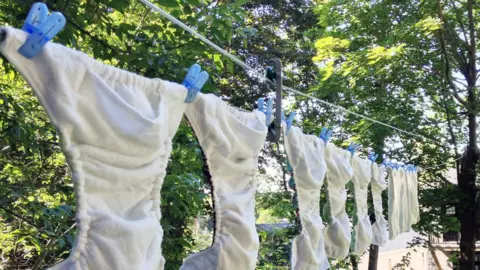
{"x": 72, "y": 155}
{"x": 111, "y": 73}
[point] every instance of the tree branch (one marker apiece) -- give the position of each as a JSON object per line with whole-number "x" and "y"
{"x": 453, "y": 40}
{"x": 93, "y": 37}
{"x": 462, "y": 26}
{"x": 447, "y": 68}
{"x": 448, "y": 74}
{"x": 452, "y": 134}
{"x": 23, "y": 219}
{"x": 87, "y": 33}
{"x": 472, "y": 63}
{"x": 471, "y": 26}
{"x": 50, "y": 243}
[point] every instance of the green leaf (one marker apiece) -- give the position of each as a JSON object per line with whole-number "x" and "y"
{"x": 239, "y": 3}
{"x": 192, "y": 2}
{"x": 217, "y": 59}
{"x": 169, "y": 3}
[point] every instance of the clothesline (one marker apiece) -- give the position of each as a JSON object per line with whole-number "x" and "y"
{"x": 440, "y": 165}
{"x": 248, "y": 68}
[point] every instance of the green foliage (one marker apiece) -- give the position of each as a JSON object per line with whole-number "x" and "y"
{"x": 275, "y": 249}
{"x": 37, "y": 204}
{"x": 377, "y": 58}
{"x": 266, "y": 216}
{"x": 279, "y": 204}
{"x": 182, "y": 199}
{"x": 384, "y": 60}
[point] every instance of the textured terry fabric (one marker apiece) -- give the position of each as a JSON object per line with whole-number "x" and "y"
{"x": 116, "y": 130}
{"x": 415, "y": 211}
{"x": 339, "y": 173}
{"x": 396, "y": 202}
{"x": 410, "y": 196}
{"x": 362, "y": 228}
{"x": 307, "y": 158}
{"x": 404, "y": 204}
{"x": 379, "y": 228}
{"x": 231, "y": 140}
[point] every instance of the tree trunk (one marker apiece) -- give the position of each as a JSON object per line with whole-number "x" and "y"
{"x": 354, "y": 262}
{"x": 467, "y": 205}
{"x": 373, "y": 257}
{"x": 468, "y": 172}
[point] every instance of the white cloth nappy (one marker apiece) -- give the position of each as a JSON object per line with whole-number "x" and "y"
{"x": 362, "y": 228}
{"x": 394, "y": 202}
{"x": 307, "y": 158}
{"x": 415, "y": 211}
{"x": 231, "y": 140}
{"x": 339, "y": 173}
{"x": 116, "y": 130}
{"x": 378, "y": 183}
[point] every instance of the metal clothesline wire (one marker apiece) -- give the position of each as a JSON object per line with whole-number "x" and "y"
{"x": 248, "y": 68}
{"x": 443, "y": 164}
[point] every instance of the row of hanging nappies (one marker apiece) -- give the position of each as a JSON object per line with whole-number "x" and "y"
{"x": 116, "y": 131}
{"x": 315, "y": 163}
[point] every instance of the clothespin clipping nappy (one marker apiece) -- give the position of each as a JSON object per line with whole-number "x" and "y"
{"x": 194, "y": 82}
{"x": 41, "y": 27}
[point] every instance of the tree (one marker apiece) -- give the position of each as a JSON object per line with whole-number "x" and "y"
{"x": 384, "y": 70}
{"x": 416, "y": 60}
{"x": 38, "y": 205}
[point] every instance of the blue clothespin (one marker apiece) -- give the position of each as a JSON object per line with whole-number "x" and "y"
{"x": 268, "y": 111}
{"x": 289, "y": 121}
{"x": 373, "y": 157}
{"x": 42, "y": 28}
{"x": 261, "y": 105}
{"x": 37, "y": 15}
{"x": 352, "y": 148}
{"x": 385, "y": 161}
{"x": 412, "y": 168}
{"x": 325, "y": 135}
{"x": 194, "y": 82}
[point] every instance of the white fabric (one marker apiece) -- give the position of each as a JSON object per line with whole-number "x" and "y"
{"x": 415, "y": 211}
{"x": 405, "y": 202}
{"x": 378, "y": 184}
{"x": 116, "y": 130}
{"x": 231, "y": 140}
{"x": 339, "y": 173}
{"x": 399, "y": 203}
{"x": 307, "y": 158}
{"x": 410, "y": 214}
{"x": 393, "y": 193}
{"x": 362, "y": 228}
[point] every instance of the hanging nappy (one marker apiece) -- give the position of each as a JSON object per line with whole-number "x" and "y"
{"x": 404, "y": 204}
{"x": 307, "y": 158}
{"x": 415, "y": 211}
{"x": 410, "y": 196}
{"x": 362, "y": 228}
{"x": 231, "y": 140}
{"x": 116, "y": 130}
{"x": 339, "y": 173}
{"x": 395, "y": 222}
{"x": 378, "y": 184}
